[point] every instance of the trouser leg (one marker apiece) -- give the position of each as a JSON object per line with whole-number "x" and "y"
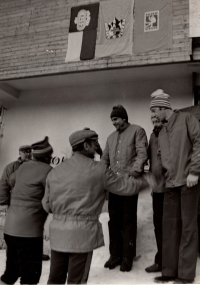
{"x": 158, "y": 202}
{"x": 11, "y": 273}
{"x": 172, "y": 228}
{"x": 129, "y": 226}
{"x": 30, "y": 259}
{"x": 79, "y": 267}
{"x": 115, "y": 224}
{"x": 58, "y": 267}
{"x": 189, "y": 239}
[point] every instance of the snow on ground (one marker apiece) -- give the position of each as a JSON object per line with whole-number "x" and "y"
{"x": 146, "y": 249}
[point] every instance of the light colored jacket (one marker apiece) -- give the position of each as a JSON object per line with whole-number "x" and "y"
{"x": 126, "y": 151}
{"x": 179, "y": 147}
{"x": 25, "y": 216}
{"x": 75, "y": 195}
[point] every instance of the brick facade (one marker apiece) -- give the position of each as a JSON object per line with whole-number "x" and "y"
{"x": 34, "y": 34}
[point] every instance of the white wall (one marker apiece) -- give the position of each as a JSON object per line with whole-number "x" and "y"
{"x": 58, "y": 113}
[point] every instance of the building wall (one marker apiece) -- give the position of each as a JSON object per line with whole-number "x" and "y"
{"x": 59, "y": 112}
{"x": 34, "y": 35}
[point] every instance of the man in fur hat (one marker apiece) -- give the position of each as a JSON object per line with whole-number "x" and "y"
{"x": 179, "y": 149}
{"x": 125, "y": 153}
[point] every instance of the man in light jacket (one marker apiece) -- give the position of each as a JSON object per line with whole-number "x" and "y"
{"x": 179, "y": 148}
{"x": 125, "y": 153}
{"x": 158, "y": 194}
{"x": 75, "y": 195}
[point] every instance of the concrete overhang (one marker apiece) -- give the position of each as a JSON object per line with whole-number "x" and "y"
{"x": 96, "y": 77}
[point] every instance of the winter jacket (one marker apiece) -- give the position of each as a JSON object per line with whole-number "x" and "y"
{"x": 26, "y": 216}
{"x": 179, "y": 147}
{"x": 75, "y": 195}
{"x": 156, "y": 167}
{"x": 127, "y": 150}
{"x": 5, "y": 187}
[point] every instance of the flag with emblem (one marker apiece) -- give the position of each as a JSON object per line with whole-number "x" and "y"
{"x": 82, "y": 32}
{"x": 153, "y": 25}
{"x": 116, "y": 28}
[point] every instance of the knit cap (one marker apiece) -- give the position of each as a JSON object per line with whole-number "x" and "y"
{"x": 25, "y": 148}
{"x": 120, "y": 112}
{"x": 160, "y": 99}
{"x": 80, "y": 136}
{"x": 42, "y": 148}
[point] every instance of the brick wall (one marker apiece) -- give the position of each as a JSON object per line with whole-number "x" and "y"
{"x": 33, "y": 39}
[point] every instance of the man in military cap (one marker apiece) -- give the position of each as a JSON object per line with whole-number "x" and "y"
{"x": 75, "y": 195}
{"x": 5, "y": 187}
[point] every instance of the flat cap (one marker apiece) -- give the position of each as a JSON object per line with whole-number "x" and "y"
{"x": 80, "y": 136}
{"x": 24, "y": 147}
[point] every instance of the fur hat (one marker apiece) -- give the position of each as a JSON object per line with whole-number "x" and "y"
{"x": 80, "y": 136}
{"x": 25, "y": 148}
{"x": 120, "y": 112}
{"x": 160, "y": 99}
{"x": 42, "y": 148}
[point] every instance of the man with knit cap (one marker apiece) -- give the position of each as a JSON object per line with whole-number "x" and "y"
{"x": 24, "y": 225}
{"x": 125, "y": 153}
{"x": 179, "y": 151}
{"x": 75, "y": 194}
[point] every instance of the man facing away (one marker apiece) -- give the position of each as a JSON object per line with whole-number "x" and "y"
{"x": 179, "y": 147}
{"x": 158, "y": 171}
{"x": 75, "y": 195}
{"x": 125, "y": 153}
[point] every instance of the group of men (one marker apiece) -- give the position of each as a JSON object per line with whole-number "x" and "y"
{"x": 75, "y": 193}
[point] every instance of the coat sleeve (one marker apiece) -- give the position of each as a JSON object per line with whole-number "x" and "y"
{"x": 194, "y": 135}
{"x": 105, "y": 157}
{"x": 141, "y": 145}
{"x": 5, "y": 187}
{"x": 123, "y": 185}
{"x": 46, "y": 198}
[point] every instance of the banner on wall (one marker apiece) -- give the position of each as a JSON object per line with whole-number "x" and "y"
{"x": 194, "y": 18}
{"x": 153, "y": 25}
{"x": 82, "y": 32}
{"x": 116, "y": 28}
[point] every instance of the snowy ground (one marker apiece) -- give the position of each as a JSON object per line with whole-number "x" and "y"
{"x": 146, "y": 248}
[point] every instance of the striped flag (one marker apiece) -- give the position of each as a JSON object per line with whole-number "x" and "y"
{"x": 82, "y": 32}
{"x": 153, "y": 25}
{"x": 116, "y": 28}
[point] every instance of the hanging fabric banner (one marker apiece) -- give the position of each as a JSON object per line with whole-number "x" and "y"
{"x": 194, "y": 18}
{"x": 153, "y": 25}
{"x": 82, "y": 32}
{"x": 116, "y": 28}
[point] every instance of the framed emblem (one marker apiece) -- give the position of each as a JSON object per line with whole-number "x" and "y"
{"x": 151, "y": 21}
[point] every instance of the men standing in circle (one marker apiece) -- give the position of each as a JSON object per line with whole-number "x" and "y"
{"x": 179, "y": 148}
{"x": 125, "y": 153}
{"x": 158, "y": 171}
{"x": 75, "y": 194}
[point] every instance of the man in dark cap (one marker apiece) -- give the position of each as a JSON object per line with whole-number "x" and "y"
{"x": 125, "y": 153}
{"x": 5, "y": 187}
{"x": 75, "y": 195}
{"x": 24, "y": 225}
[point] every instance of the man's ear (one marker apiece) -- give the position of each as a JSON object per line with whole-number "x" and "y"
{"x": 85, "y": 144}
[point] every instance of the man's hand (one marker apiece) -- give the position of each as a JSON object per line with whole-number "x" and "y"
{"x": 151, "y": 180}
{"x": 192, "y": 180}
{"x": 134, "y": 174}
